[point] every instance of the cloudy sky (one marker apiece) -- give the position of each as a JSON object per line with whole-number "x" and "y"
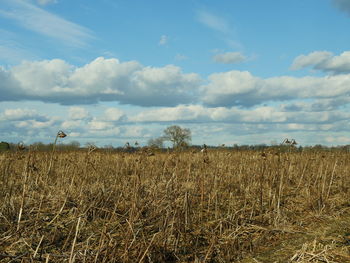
{"x": 232, "y": 71}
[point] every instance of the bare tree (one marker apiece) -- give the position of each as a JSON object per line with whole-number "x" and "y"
{"x": 156, "y": 142}
{"x": 178, "y": 136}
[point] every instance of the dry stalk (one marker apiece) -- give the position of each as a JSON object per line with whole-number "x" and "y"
{"x": 24, "y": 187}
{"x": 238, "y": 199}
{"x": 331, "y": 180}
{"x": 148, "y": 247}
{"x": 72, "y": 256}
{"x": 37, "y": 248}
{"x": 60, "y": 134}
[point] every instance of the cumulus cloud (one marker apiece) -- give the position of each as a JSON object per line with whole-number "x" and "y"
{"x": 338, "y": 140}
{"x": 258, "y": 115}
{"x": 229, "y": 58}
{"x": 114, "y": 114}
{"x": 343, "y": 5}
{"x": 110, "y": 127}
{"x": 172, "y": 114}
{"x": 316, "y": 105}
{"x": 235, "y": 99}
{"x": 21, "y": 114}
{"x": 163, "y": 86}
{"x": 22, "y": 124}
{"x": 134, "y": 84}
{"x": 324, "y": 61}
{"x": 72, "y": 124}
{"x": 8, "y": 85}
{"x": 99, "y": 125}
{"x": 101, "y": 80}
{"x": 78, "y": 113}
{"x": 244, "y": 89}
{"x": 135, "y": 131}
{"x": 34, "y": 124}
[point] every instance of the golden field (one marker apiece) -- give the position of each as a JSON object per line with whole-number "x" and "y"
{"x": 223, "y": 206}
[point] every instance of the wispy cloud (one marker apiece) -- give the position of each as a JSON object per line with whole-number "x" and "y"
{"x": 45, "y": 23}
{"x": 11, "y": 50}
{"x": 46, "y": 2}
{"x": 214, "y": 22}
{"x": 221, "y": 26}
{"x": 180, "y": 57}
{"x": 163, "y": 40}
{"x": 229, "y": 58}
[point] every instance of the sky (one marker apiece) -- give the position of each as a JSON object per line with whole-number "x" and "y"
{"x": 234, "y": 72}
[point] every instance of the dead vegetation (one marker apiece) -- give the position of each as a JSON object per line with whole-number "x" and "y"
{"x": 221, "y": 206}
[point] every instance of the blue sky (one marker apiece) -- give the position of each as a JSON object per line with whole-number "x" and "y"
{"x": 112, "y": 71}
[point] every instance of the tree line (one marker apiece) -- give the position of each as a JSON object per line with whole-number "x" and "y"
{"x": 179, "y": 138}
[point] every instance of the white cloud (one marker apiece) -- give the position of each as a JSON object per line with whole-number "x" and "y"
{"x": 169, "y": 114}
{"x": 258, "y": 115}
{"x": 324, "y": 61}
{"x": 43, "y": 22}
{"x": 229, "y": 58}
{"x": 34, "y": 124}
{"x": 212, "y": 21}
{"x": 74, "y": 134}
{"x": 229, "y": 103}
{"x": 209, "y": 125}
{"x": 99, "y": 125}
{"x": 40, "y": 78}
{"x": 132, "y": 83}
{"x": 72, "y": 124}
{"x": 114, "y": 114}
{"x": 78, "y": 113}
{"x": 21, "y": 114}
{"x": 163, "y": 40}
{"x": 8, "y": 85}
{"x": 101, "y": 80}
{"x": 17, "y": 114}
{"x": 338, "y": 140}
{"x": 135, "y": 131}
{"x": 109, "y": 132}
{"x": 316, "y": 105}
{"x": 166, "y": 85}
{"x": 313, "y": 58}
{"x": 242, "y": 88}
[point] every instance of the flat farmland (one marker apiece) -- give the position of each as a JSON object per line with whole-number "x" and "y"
{"x": 219, "y": 206}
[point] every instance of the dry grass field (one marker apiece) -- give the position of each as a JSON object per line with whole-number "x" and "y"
{"x": 223, "y": 206}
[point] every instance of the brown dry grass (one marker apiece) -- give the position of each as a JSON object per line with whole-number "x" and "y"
{"x": 174, "y": 207}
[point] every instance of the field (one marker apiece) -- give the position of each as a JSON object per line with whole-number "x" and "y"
{"x": 223, "y": 206}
